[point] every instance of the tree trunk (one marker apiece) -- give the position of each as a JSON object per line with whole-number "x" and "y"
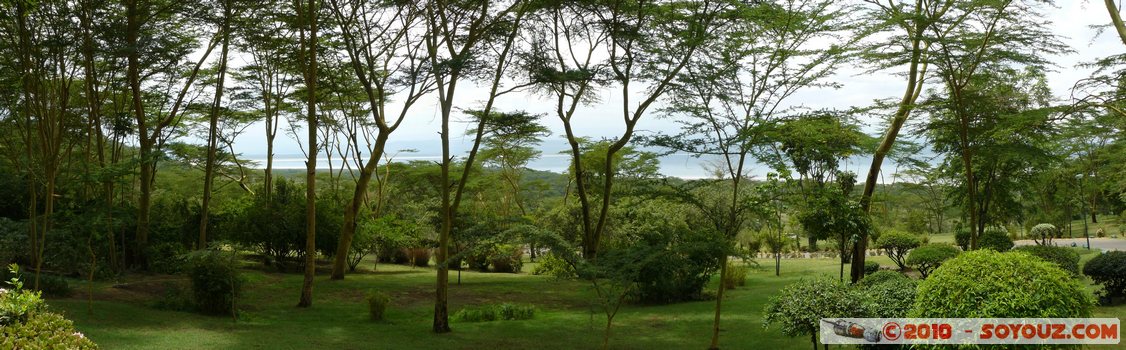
{"x": 352, "y": 209}
{"x": 1116, "y": 20}
{"x": 213, "y": 131}
{"x": 719, "y": 302}
{"x": 309, "y": 54}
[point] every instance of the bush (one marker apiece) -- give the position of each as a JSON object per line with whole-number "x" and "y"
{"x": 419, "y": 257}
{"x": 890, "y": 298}
{"x": 43, "y": 330}
{"x": 501, "y": 312}
{"x": 508, "y": 258}
{"x": 49, "y": 284}
{"x": 1109, "y": 270}
{"x": 930, "y": 257}
{"x": 986, "y": 284}
{"x": 800, "y": 306}
{"x": 896, "y": 244}
{"x": 736, "y": 276}
{"x": 995, "y": 238}
{"x": 552, "y": 265}
{"x": 871, "y": 267}
{"x": 1101, "y": 233}
{"x": 215, "y": 279}
{"x": 1065, "y": 258}
{"x": 881, "y": 277}
{"x": 963, "y": 238}
{"x": 1043, "y": 233}
{"x": 377, "y": 304}
{"x": 175, "y": 298}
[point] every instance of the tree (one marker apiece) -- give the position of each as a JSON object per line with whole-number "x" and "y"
{"x": 307, "y": 15}
{"x": 213, "y": 124}
{"x": 460, "y": 39}
{"x": 737, "y": 86}
{"x": 896, "y": 245}
{"x": 383, "y": 50}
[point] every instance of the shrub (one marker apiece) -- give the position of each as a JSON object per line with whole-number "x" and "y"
{"x": 1043, "y": 233}
{"x": 881, "y": 277}
{"x": 896, "y": 244}
{"x": 418, "y": 256}
{"x": 508, "y": 258}
{"x": 995, "y": 238}
{"x": 1109, "y": 270}
{"x": 931, "y": 256}
{"x": 871, "y": 267}
{"x": 552, "y": 265}
{"x": 175, "y": 298}
{"x": 891, "y": 298}
{"x": 985, "y": 284}
{"x": 377, "y": 304}
{"x": 215, "y": 279}
{"x": 1101, "y": 233}
{"x": 736, "y": 276}
{"x": 18, "y": 304}
{"x": 49, "y": 284}
{"x": 1065, "y": 258}
{"x": 501, "y": 312}
{"x": 43, "y": 330}
{"x": 962, "y": 238}
{"x": 800, "y": 306}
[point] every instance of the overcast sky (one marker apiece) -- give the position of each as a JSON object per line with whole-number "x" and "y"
{"x": 1072, "y": 20}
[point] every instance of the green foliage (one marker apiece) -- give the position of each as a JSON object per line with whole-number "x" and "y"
{"x": 215, "y": 279}
{"x": 736, "y": 276}
{"x": 498, "y": 312}
{"x": 13, "y": 242}
{"x": 990, "y": 284}
{"x": 1043, "y": 233}
{"x": 890, "y": 297}
{"x": 929, "y": 257}
{"x": 377, "y": 304}
{"x": 17, "y": 304}
{"x": 962, "y": 237}
{"x": 1065, "y": 258}
{"x": 550, "y": 264}
{"x": 175, "y": 298}
{"x": 800, "y": 306}
{"x": 42, "y": 331}
{"x": 996, "y": 238}
{"x": 871, "y": 267}
{"x": 275, "y": 226}
{"x": 896, "y": 244}
{"x": 508, "y": 258}
{"x": 1109, "y": 270}
{"x": 881, "y": 277}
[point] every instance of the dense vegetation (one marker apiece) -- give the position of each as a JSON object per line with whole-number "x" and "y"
{"x": 123, "y": 128}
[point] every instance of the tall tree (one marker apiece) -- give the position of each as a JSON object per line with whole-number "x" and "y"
{"x": 308, "y": 12}
{"x": 213, "y": 124}
{"x": 729, "y": 95}
{"x": 384, "y": 50}
{"x": 462, "y": 39}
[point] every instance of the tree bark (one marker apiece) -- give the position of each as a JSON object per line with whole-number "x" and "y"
{"x": 213, "y": 131}
{"x": 1116, "y": 20}
{"x": 308, "y": 59}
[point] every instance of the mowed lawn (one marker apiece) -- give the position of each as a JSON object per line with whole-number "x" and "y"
{"x": 565, "y": 317}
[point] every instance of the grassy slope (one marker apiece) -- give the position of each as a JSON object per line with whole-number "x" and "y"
{"x": 338, "y": 317}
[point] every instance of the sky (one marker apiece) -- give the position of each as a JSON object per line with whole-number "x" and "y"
{"x": 1072, "y": 20}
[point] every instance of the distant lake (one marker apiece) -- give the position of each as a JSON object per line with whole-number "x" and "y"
{"x": 684, "y": 166}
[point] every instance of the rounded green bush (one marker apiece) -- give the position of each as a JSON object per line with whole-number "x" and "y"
{"x": 896, "y": 244}
{"x": 931, "y": 256}
{"x": 1065, "y": 258}
{"x": 1109, "y": 270}
{"x": 800, "y": 306}
{"x": 996, "y": 238}
{"x": 984, "y": 284}
{"x": 215, "y": 280}
{"x": 871, "y": 267}
{"x": 891, "y": 298}
{"x": 43, "y": 330}
{"x": 962, "y": 238}
{"x": 1043, "y": 232}
{"x": 879, "y": 277}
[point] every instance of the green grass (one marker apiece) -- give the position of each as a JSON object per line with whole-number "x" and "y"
{"x": 339, "y": 317}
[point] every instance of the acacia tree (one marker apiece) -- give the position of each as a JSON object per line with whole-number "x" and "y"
{"x": 737, "y": 87}
{"x": 959, "y": 38}
{"x": 308, "y": 13}
{"x": 213, "y": 123}
{"x": 463, "y": 39}
{"x": 384, "y": 51}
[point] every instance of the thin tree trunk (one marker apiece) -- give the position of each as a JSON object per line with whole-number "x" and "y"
{"x": 308, "y": 54}
{"x": 353, "y": 208}
{"x": 213, "y": 132}
{"x": 1116, "y": 19}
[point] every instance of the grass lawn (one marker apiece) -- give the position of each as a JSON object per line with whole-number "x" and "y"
{"x": 338, "y": 318}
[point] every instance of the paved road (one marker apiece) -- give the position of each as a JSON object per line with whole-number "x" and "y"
{"x": 1096, "y": 243}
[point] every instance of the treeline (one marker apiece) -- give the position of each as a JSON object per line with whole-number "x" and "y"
{"x": 99, "y": 99}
